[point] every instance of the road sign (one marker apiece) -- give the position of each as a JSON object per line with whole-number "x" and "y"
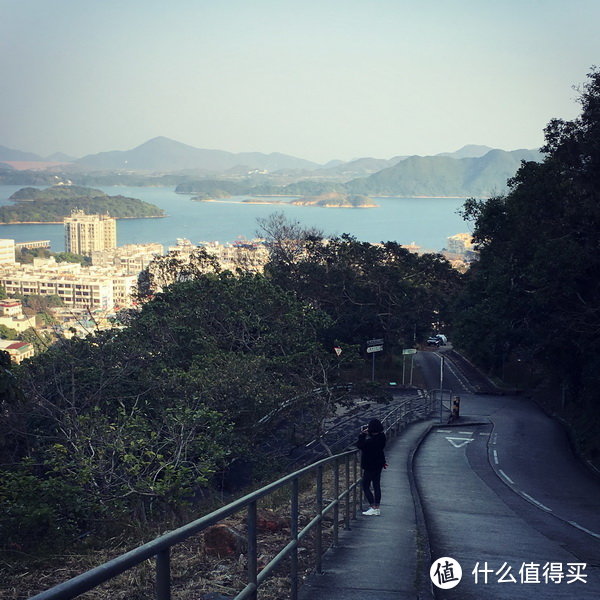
{"x": 377, "y": 342}
{"x": 409, "y": 351}
{"x": 372, "y": 349}
{"x": 337, "y": 350}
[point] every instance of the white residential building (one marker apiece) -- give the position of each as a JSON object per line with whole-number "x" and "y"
{"x": 7, "y": 252}
{"x": 131, "y": 259}
{"x": 460, "y": 243}
{"x": 77, "y": 286}
{"x": 86, "y": 233}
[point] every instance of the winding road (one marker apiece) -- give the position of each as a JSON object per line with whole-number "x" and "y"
{"x": 504, "y": 495}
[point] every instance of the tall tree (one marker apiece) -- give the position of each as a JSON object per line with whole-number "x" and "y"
{"x": 535, "y": 293}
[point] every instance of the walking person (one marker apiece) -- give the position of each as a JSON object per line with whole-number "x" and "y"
{"x": 371, "y": 443}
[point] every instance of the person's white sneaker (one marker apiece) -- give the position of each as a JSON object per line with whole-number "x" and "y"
{"x": 371, "y": 512}
{"x": 377, "y": 512}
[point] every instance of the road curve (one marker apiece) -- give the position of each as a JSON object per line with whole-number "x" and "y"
{"x": 503, "y": 494}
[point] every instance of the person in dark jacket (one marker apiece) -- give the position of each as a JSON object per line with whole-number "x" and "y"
{"x": 371, "y": 442}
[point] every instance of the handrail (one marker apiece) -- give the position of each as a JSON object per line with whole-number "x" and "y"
{"x": 348, "y": 498}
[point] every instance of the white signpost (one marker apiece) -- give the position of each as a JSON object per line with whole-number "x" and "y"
{"x": 372, "y": 349}
{"x": 408, "y": 352}
{"x": 374, "y": 346}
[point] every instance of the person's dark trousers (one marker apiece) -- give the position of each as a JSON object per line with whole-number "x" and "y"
{"x": 374, "y": 478}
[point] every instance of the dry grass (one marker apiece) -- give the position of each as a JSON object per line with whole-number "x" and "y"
{"x": 194, "y": 571}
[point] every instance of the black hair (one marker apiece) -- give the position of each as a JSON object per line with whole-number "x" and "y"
{"x": 375, "y": 426}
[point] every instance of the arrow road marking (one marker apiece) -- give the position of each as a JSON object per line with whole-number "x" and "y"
{"x": 459, "y": 442}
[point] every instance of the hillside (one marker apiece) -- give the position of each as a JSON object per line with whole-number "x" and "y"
{"x": 52, "y": 204}
{"x": 445, "y": 176}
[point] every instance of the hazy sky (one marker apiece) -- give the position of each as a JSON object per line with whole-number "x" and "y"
{"x": 317, "y": 79}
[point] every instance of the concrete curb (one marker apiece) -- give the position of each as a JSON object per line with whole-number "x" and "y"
{"x": 423, "y": 583}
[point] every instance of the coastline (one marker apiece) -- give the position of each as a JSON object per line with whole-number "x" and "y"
{"x": 61, "y": 222}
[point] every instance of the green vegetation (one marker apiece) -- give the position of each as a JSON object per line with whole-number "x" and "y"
{"x": 54, "y": 203}
{"x": 7, "y": 333}
{"x": 533, "y": 297}
{"x": 26, "y": 256}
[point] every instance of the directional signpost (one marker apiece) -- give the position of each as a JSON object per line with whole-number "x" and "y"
{"x": 408, "y": 352}
{"x": 374, "y": 346}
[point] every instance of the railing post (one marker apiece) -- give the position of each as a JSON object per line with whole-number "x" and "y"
{"x": 294, "y": 536}
{"x": 163, "y": 575}
{"x": 252, "y": 547}
{"x": 356, "y": 490}
{"x": 348, "y": 493}
{"x": 336, "y": 495}
{"x": 319, "y": 503}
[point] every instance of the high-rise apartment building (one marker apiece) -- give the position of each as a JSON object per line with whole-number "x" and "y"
{"x": 460, "y": 243}
{"x": 86, "y": 233}
{"x": 7, "y": 252}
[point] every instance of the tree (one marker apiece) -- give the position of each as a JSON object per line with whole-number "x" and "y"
{"x": 535, "y": 293}
{"x": 370, "y": 290}
{"x": 286, "y": 239}
{"x": 174, "y": 268}
{"x": 139, "y": 420}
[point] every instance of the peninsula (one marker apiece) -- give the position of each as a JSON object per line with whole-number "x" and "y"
{"x": 51, "y": 205}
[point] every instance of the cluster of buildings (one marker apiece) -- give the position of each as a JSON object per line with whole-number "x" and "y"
{"x": 89, "y": 294}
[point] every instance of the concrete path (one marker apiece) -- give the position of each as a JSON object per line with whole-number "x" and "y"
{"x": 383, "y": 557}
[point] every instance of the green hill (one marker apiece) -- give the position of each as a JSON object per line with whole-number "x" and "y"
{"x": 52, "y": 204}
{"x": 445, "y": 176}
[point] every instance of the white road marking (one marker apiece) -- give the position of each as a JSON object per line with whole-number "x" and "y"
{"x": 596, "y": 535}
{"x": 483, "y": 433}
{"x": 538, "y": 504}
{"x": 444, "y": 431}
{"x": 459, "y": 442}
{"x": 496, "y": 456}
{"x": 506, "y": 476}
{"x": 466, "y": 432}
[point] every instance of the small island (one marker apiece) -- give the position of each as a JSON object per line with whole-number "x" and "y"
{"x": 53, "y": 204}
{"x": 336, "y": 200}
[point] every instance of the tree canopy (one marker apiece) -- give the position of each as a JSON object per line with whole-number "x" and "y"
{"x": 535, "y": 293}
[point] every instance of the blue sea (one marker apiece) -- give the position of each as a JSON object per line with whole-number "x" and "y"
{"x": 428, "y": 222}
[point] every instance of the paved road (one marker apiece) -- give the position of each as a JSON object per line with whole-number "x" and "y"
{"x": 503, "y": 491}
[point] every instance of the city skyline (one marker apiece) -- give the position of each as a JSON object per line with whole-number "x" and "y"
{"x": 318, "y": 80}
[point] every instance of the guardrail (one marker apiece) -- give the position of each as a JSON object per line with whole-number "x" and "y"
{"x": 347, "y": 496}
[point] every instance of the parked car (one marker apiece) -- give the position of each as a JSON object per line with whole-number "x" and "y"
{"x": 434, "y": 341}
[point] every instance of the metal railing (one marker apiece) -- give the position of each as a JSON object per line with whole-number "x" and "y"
{"x": 347, "y": 496}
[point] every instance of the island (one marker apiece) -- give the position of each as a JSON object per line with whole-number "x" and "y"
{"x": 53, "y": 204}
{"x": 336, "y": 200}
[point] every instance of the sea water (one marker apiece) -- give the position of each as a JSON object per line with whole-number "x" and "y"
{"x": 427, "y": 222}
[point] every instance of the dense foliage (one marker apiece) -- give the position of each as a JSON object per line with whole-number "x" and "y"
{"x": 127, "y": 423}
{"x": 535, "y": 294}
{"x": 370, "y": 291}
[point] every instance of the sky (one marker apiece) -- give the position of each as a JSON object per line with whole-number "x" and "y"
{"x": 321, "y": 80}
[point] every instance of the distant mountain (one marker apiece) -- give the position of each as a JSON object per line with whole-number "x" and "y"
{"x": 8, "y": 154}
{"x": 60, "y": 157}
{"x": 358, "y": 167}
{"x": 162, "y": 154}
{"x": 468, "y": 151}
{"x": 445, "y": 176}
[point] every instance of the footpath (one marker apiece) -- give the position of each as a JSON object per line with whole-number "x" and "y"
{"x": 382, "y": 557}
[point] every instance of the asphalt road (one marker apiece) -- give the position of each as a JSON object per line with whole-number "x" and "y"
{"x": 504, "y": 495}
